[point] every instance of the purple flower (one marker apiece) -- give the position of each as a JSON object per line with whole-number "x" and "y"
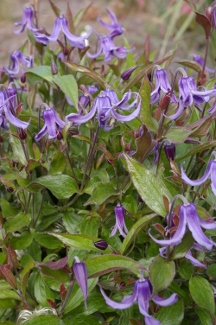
{"x": 162, "y": 84}
{"x": 120, "y": 222}
{"x": 170, "y": 151}
{"x": 17, "y": 58}
{"x": 199, "y": 59}
{"x": 188, "y": 95}
{"x": 7, "y": 109}
{"x": 209, "y": 173}
{"x": 105, "y": 105}
{"x": 109, "y": 49}
{"x": 52, "y": 123}
{"x": 61, "y": 23}
{"x": 142, "y": 294}
{"x": 115, "y": 27}
{"x": 27, "y": 20}
{"x": 80, "y": 272}
{"x": 188, "y": 216}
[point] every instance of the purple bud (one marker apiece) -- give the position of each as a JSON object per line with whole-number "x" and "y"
{"x": 127, "y": 73}
{"x": 170, "y": 151}
{"x": 22, "y": 134}
{"x": 54, "y": 69}
{"x": 23, "y": 78}
{"x": 101, "y": 244}
{"x": 80, "y": 272}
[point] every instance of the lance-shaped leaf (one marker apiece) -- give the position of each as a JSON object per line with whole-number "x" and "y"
{"x": 147, "y": 185}
{"x": 161, "y": 273}
{"x": 173, "y": 314}
{"x": 68, "y": 85}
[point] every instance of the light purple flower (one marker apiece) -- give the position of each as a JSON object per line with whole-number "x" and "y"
{"x": 52, "y": 123}
{"x": 120, "y": 222}
{"x": 188, "y": 217}
{"x": 209, "y": 173}
{"x": 199, "y": 59}
{"x": 105, "y": 105}
{"x": 161, "y": 84}
{"x": 61, "y": 24}
{"x": 27, "y": 20}
{"x": 189, "y": 95}
{"x": 115, "y": 27}
{"x": 109, "y": 49}
{"x": 17, "y": 58}
{"x": 80, "y": 272}
{"x": 7, "y": 109}
{"x": 142, "y": 294}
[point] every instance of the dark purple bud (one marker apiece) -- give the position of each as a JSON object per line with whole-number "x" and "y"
{"x": 127, "y": 73}
{"x": 170, "y": 151}
{"x": 22, "y": 134}
{"x": 9, "y": 189}
{"x": 59, "y": 135}
{"x": 101, "y": 244}
{"x": 23, "y": 78}
{"x": 54, "y": 69}
{"x": 65, "y": 51}
{"x": 1, "y": 138}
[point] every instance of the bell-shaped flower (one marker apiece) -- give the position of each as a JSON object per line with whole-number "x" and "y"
{"x": 114, "y": 26}
{"x": 189, "y": 219}
{"x": 26, "y": 21}
{"x": 8, "y": 109}
{"x": 18, "y": 58}
{"x": 80, "y": 272}
{"x": 161, "y": 84}
{"x": 120, "y": 222}
{"x": 105, "y": 105}
{"x": 209, "y": 173}
{"x": 61, "y": 24}
{"x": 52, "y": 124}
{"x": 109, "y": 49}
{"x": 189, "y": 95}
{"x": 142, "y": 294}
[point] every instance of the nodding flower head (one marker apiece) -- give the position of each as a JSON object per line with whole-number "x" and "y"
{"x": 26, "y": 21}
{"x": 120, "y": 222}
{"x": 142, "y": 294}
{"x": 114, "y": 26}
{"x": 52, "y": 124}
{"x": 61, "y": 24}
{"x": 18, "y": 59}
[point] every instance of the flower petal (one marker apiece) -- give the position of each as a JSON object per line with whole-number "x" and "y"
{"x": 80, "y": 272}
{"x": 165, "y": 302}
{"x": 198, "y": 181}
{"x": 79, "y": 119}
{"x": 129, "y": 301}
{"x": 194, "y": 261}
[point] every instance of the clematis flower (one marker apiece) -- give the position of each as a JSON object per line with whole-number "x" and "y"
{"x": 189, "y": 95}
{"x": 52, "y": 123}
{"x": 161, "y": 84}
{"x": 80, "y": 272}
{"x": 61, "y": 23}
{"x": 115, "y": 27}
{"x": 199, "y": 59}
{"x": 120, "y": 223}
{"x": 209, "y": 173}
{"x": 17, "y": 58}
{"x": 142, "y": 294}
{"x": 109, "y": 49}
{"x": 27, "y": 20}
{"x": 7, "y": 105}
{"x": 105, "y": 105}
{"x": 188, "y": 216}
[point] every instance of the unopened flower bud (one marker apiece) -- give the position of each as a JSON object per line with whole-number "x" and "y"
{"x": 59, "y": 135}
{"x": 54, "y": 69}
{"x": 170, "y": 151}
{"x": 165, "y": 101}
{"x": 22, "y": 134}
{"x": 23, "y": 78}
{"x": 101, "y": 244}
{"x": 10, "y": 189}
{"x": 65, "y": 51}
{"x": 127, "y": 73}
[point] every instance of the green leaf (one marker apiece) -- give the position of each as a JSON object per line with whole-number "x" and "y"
{"x": 202, "y": 293}
{"x": 18, "y": 153}
{"x": 100, "y": 193}
{"x": 178, "y": 134}
{"x": 211, "y": 271}
{"x": 47, "y": 240}
{"x": 190, "y": 64}
{"x": 180, "y": 250}
{"x": 83, "y": 242}
{"x": 173, "y": 314}
{"x": 68, "y": 85}
{"x": 58, "y": 164}
{"x": 185, "y": 269}
{"x": 9, "y": 294}
{"x": 104, "y": 264}
{"x": 42, "y": 71}
{"x": 77, "y": 297}
{"x": 43, "y": 320}
{"x": 18, "y": 222}
{"x": 90, "y": 226}
{"x": 204, "y": 316}
{"x": 61, "y": 186}
{"x": 147, "y": 185}
{"x": 161, "y": 273}
{"x": 135, "y": 229}
{"x": 42, "y": 291}
{"x": 86, "y": 71}
{"x": 198, "y": 148}
{"x": 23, "y": 241}
{"x": 145, "y": 113}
